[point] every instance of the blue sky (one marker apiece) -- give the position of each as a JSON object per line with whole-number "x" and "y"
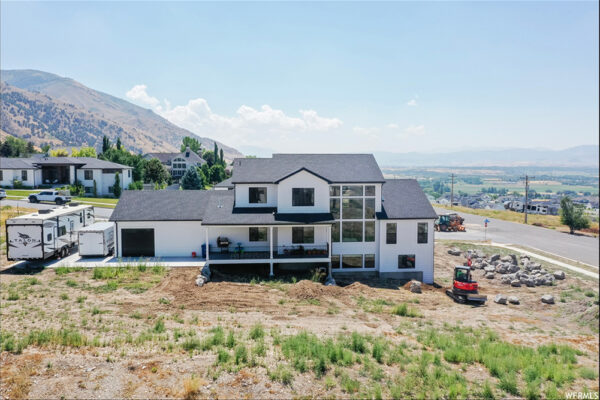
{"x": 331, "y": 76}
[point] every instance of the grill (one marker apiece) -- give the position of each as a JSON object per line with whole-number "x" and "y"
{"x": 223, "y": 242}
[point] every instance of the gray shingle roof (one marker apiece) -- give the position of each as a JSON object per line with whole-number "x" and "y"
{"x": 166, "y": 157}
{"x": 161, "y": 205}
{"x": 336, "y": 168}
{"x": 404, "y": 199}
{"x": 16, "y": 163}
{"x": 83, "y": 162}
{"x": 211, "y": 207}
{"x": 226, "y": 183}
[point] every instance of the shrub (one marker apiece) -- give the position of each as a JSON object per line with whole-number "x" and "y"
{"x": 191, "y": 387}
{"x": 508, "y": 383}
{"x": 159, "y": 326}
{"x": 223, "y": 356}
{"x": 257, "y": 332}
{"x": 281, "y": 374}
{"x": 404, "y": 310}
{"x": 71, "y": 283}
{"x": 588, "y": 373}
{"x": 241, "y": 354}
{"x": 191, "y": 344}
{"x": 230, "y": 342}
{"x": 348, "y": 384}
{"x": 378, "y": 352}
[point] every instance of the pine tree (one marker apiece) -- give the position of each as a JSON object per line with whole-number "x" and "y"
{"x": 105, "y": 144}
{"x": 117, "y": 186}
{"x": 118, "y": 143}
{"x": 191, "y": 180}
{"x": 221, "y": 156}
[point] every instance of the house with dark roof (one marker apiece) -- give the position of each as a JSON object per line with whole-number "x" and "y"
{"x": 34, "y": 172}
{"x": 334, "y": 210}
{"x": 177, "y": 163}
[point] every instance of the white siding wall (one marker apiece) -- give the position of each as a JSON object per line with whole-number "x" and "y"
{"x": 406, "y": 244}
{"x": 171, "y": 238}
{"x": 241, "y": 195}
{"x": 108, "y": 179}
{"x": 8, "y": 175}
{"x": 302, "y": 179}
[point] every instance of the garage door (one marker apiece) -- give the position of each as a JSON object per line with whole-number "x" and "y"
{"x": 137, "y": 242}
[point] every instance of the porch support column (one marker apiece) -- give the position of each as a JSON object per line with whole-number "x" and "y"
{"x": 271, "y": 251}
{"x": 206, "y": 244}
{"x": 329, "y": 251}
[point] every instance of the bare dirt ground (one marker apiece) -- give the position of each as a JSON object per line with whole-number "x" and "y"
{"x": 151, "y": 333}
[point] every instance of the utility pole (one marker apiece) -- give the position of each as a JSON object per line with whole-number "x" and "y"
{"x": 525, "y": 207}
{"x": 452, "y": 192}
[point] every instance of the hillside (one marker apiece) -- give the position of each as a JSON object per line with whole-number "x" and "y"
{"x": 44, "y": 107}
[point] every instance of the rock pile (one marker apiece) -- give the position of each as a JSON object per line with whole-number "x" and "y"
{"x": 528, "y": 274}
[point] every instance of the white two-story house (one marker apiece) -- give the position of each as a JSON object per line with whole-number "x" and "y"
{"x": 335, "y": 210}
{"x": 178, "y": 163}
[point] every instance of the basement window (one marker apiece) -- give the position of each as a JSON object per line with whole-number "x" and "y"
{"x": 335, "y": 261}
{"x": 257, "y": 234}
{"x": 352, "y": 261}
{"x": 406, "y": 261}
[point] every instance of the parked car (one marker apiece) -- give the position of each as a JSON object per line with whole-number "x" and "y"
{"x": 2, "y": 194}
{"x": 49, "y": 195}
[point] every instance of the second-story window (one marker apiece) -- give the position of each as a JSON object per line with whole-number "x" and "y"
{"x": 257, "y": 195}
{"x": 303, "y": 197}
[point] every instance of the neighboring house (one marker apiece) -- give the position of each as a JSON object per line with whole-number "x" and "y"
{"x": 333, "y": 210}
{"x": 177, "y": 163}
{"x": 57, "y": 171}
{"x": 224, "y": 185}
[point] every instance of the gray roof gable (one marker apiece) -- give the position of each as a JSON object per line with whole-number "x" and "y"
{"x": 404, "y": 199}
{"x": 16, "y": 163}
{"x": 335, "y": 168}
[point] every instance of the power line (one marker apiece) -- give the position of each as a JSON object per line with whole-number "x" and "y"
{"x": 452, "y": 192}
{"x": 526, "y": 206}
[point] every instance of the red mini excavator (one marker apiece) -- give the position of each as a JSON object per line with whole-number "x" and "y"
{"x": 464, "y": 289}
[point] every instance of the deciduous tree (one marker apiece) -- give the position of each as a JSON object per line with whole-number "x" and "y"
{"x": 572, "y": 215}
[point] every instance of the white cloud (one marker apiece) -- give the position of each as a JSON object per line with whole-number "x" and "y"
{"x": 392, "y": 126}
{"x": 412, "y": 103}
{"x": 246, "y": 127}
{"x": 138, "y": 94}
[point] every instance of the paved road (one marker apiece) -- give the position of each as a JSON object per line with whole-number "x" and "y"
{"x": 581, "y": 248}
{"x": 99, "y": 212}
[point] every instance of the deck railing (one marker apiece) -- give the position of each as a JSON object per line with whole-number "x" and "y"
{"x": 241, "y": 252}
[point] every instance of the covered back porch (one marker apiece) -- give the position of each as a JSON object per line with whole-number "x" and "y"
{"x": 268, "y": 244}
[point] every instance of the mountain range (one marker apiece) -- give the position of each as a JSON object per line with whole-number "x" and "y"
{"x": 46, "y": 108}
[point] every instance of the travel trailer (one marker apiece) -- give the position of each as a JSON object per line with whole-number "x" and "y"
{"x": 46, "y": 233}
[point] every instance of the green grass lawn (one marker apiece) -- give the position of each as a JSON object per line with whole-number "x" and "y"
{"x": 106, "y": 202}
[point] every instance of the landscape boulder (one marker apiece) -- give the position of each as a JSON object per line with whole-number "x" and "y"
{"x": 560, "y": 275}
{"x": 515, "y": 283}
{"x": 502, "y": 268}
{"x": 512, "y": 268}
{"x": 500, "y": 299}
{"x": 513, "y": 300}
{"x": 514, "y": 261}
{"x": 200, "y": 280}
{"x": 489, "y": 275}
{"x": 454, "y": 251}
{"x": 506, "y": 279}
{"x": 548, "y": 299}
{"x": 494, "y": 257}
{"x": 528, "y": 282}
{"x": 415, "y": 286}
{"x": 506, "y": 259}
{"x": 489, "y": 268}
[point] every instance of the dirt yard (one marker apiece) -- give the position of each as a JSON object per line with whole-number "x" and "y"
{"x": 151, "y": 333}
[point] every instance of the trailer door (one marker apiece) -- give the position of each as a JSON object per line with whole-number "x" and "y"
{"x": 24, "y": 242}
{"x": 137, "y": 242}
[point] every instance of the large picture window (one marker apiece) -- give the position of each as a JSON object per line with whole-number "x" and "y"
{"x": 353, "y": 190}
{"x": 303, "y": 234}
{"x": 303, "y": 197}
{"x": 369, "y": 231}
{"x": 352, "y": 261}
{"x": 257, "y": 195}
{"x": 335, "y": 232}
{"x": 370, "y": 190}
{"x": 390, "y": 233}
{"x": 352, "y": 231}
{"x": 422, "y": 230}
{"x": 369, "y": 208}
{"x": 406, "y": 261}
{"x": 352, "y": 208}
{"x": 334, "y": 208}
{"x": 257, "y": 234}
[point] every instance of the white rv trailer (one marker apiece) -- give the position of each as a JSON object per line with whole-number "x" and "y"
{"x": 46, "y": 233}
{"x": 97, "y": 239}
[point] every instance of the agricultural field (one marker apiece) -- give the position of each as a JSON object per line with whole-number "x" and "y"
{"x": 149, "y": 332}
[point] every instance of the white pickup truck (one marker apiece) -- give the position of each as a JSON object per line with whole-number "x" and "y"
{"x": 51, "y": 196}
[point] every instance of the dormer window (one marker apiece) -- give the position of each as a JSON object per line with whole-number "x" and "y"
{"x": 303, "y": 197}
{"x": 257, "y": 195}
